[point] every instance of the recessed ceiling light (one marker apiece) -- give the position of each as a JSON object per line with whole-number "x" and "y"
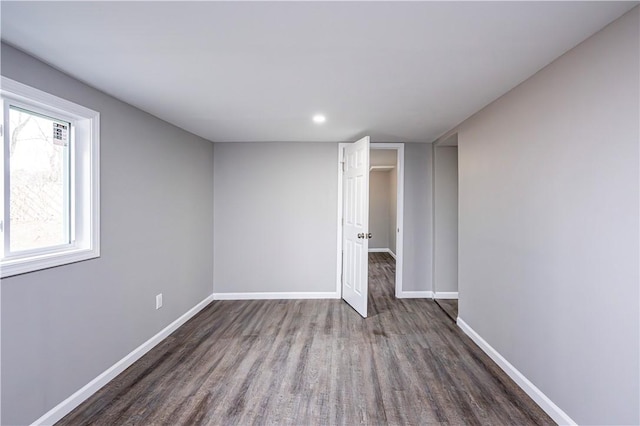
{"x": 319, "y": 118}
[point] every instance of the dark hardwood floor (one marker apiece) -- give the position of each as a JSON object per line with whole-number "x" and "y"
{"x": 450, "y": 307}
{"x": 314, "y": 362}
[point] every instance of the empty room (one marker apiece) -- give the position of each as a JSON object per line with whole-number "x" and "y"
{"x": 320, "y": 213}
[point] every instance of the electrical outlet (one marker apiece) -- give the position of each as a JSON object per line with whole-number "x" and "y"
{"x": 159, "y": 301}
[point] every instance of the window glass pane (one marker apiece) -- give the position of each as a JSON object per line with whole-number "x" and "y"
{"x": 39, "y": 181}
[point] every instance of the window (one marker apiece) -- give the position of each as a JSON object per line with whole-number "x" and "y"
{"x": 50, "y": 180}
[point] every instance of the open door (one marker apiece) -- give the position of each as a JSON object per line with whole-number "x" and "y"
{"x": 355, "y": 232}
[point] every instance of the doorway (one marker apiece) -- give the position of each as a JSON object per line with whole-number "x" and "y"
{"x": 445, "y": 225}
{"x": 384, "y": 231}
{"x": 383, "y": 177}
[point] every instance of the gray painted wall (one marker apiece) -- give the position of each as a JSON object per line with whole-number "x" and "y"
{"x": 379, "y": 212}
{"x": 445, "y": 255}
{"x": 418, "y": 217}
{"x": 64, "y": 326}
{"x": 393, "y": 207}
{"x": 275, "y": 211}
{"x": 275, "y": 218}
{"x": 549, "y": 226}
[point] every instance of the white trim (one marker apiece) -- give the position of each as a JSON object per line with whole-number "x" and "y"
{"x": 86, "y": 122}
{"x": 45, "y": 261}
{"x": 277, "y": 295}
{"x": 341, "y": 147}
{"x": 445, "y": 295}
{"x": 381, "y": 168}
{"x": 69, "y": 404}
{"x": 382, "y": 250}
{"x": 415, "y": 295}
{"x": 19, "y": 91}
{"x": 536, "y": 394}
{"x": 398, "y": 255}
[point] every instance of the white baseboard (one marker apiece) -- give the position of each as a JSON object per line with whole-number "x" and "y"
{"x": 378, "y": 250}
{"x": 276, "y": 295}
{"x": 66, "y": 406}
{"x": 415, "y": 295}
{"x": 445, "y": 295}
{"x": 382, "y": 250}
{"x": 536, "y": 394}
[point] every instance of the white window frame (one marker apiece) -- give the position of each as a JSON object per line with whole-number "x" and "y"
{"x": 85, "y": 180}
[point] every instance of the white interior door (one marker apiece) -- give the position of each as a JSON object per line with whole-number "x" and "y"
{"x": 355, "y": 232}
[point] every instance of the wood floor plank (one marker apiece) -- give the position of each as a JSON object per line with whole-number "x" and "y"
{"x": 450, "y": 307}
{"x": 303, "y": 362}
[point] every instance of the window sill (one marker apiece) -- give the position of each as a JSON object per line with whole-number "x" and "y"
{"x": 9, "y": 268}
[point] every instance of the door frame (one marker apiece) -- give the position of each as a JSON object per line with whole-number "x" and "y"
{"x": 399, "y": 148}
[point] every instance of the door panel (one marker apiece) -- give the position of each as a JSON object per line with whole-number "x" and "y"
{"x": 355, "y": 242}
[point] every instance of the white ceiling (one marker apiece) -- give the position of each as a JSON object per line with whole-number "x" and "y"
{"x": 258, "y": 71}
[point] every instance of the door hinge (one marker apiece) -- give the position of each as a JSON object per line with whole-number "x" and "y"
{"x": 1, "y": 130}
{"x": 342, "y": 162}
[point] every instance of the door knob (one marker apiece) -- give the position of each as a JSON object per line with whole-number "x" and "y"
{"x": 369, "y": 235}
{"x": 361, "y": 235}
